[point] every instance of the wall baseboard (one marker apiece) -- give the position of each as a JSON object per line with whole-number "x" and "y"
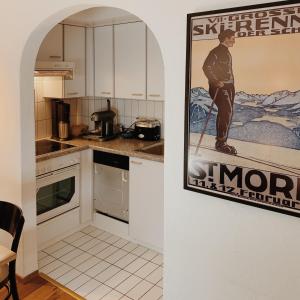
{"x": 28, "y": 277}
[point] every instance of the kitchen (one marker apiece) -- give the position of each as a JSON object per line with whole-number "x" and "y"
{"x": 107, "y": 190}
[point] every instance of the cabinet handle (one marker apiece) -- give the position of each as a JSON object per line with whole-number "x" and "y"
{"x": 105, "y": 93}
{"x": 154, "y": 95}
{"x": 72, "y": 93}
{"x": 136, "y": 162}
{"x": 124, "y": 179}
{"x": 137, "y": 94}
{"x": 54, "y": 56}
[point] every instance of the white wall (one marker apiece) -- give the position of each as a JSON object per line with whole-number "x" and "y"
{"x": 214, "y": 249}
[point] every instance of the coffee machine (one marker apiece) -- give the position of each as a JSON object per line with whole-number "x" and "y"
{"x": 104, "y": 124}
{"x": 60, "y": 119}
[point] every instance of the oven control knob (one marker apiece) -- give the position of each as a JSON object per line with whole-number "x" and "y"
{"x": 141, "y": 136}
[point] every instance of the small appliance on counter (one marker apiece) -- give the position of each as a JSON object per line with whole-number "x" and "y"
{"x": 79, "y": 130}
{"x": 104, "y": 125}
{"x": 147, "y": 129}
{"x": 60, "y": 120}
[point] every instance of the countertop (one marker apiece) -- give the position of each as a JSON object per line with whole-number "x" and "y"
{"x": 118, "y": 145}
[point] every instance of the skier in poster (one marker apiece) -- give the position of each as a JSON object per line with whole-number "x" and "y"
{"x": 218, "y": 70}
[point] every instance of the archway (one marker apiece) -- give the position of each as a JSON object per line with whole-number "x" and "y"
{"x": 29, "y": 245}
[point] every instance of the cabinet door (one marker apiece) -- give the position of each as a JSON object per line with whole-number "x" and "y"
{"x": 104, "y": 66}
{"x": 74, "y": 46}
{"x": 130, "y": 60}
{"x": 155, "y": 69}
{"x": 52, "y": 46}
{"x": 146, "y": 202}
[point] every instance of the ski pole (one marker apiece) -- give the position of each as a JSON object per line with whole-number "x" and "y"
{"x": 206, "y": 122}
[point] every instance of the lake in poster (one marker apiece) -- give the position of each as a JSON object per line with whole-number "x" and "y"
{"x": 242, "y": 125}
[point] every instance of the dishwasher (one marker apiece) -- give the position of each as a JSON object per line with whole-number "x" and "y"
{"x": 111, "y": 185}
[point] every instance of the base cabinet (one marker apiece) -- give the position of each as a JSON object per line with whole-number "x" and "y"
{"x": 146, "y": 202}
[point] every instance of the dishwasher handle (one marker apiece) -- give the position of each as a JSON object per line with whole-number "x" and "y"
{"x": 124, "y": 177}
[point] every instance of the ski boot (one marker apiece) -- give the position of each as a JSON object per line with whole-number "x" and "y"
{"x": 225, "y": 148}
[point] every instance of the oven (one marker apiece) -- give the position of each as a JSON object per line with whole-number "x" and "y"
{"x": 57, "y": 187}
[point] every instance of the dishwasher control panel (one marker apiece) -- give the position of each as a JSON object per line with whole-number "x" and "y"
{"x": 111, "y": 159}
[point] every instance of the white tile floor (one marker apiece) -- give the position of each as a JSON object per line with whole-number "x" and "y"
{"x": 98, "y": 265}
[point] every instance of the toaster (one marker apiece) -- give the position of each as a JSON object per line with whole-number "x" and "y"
{"x": 147, "y": 129}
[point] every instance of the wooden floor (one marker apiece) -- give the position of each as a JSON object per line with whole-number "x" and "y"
{"x": 39, "y": 289}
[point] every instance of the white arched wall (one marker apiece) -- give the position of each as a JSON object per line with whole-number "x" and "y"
{"x": 28, "y": 262}
{"x": 214, "y": 249}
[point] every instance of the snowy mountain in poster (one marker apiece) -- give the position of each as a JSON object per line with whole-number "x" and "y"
{"x": 265, "y": 119}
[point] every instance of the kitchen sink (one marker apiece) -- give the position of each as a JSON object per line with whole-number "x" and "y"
{"x": 156, "y": 149}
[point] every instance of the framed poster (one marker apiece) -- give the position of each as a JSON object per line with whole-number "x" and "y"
{"x": 242, "y": 112}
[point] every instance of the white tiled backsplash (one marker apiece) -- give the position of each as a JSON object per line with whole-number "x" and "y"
{"x": 127, "y": 110}
{"x": 42, "y": 107}
{"x": 42, "y": 110}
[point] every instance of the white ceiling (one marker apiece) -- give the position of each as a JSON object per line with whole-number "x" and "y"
{"x": 101, "y": 16}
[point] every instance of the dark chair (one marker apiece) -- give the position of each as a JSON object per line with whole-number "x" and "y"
{"x": 11, "y": 221}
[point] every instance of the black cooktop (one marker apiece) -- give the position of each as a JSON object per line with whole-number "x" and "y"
{"x": 47, "y": 146}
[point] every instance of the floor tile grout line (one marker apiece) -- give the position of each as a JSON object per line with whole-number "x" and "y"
{"x": 93, "y": 289}
{"x": 131, "y": 288}
{"x": 56, "y": 249}
{"x": 144, "y": 293}
{"x": 68, "y": 243}
{"x": 81, "y": 284}
{"x": 82, "y": 243}
{"x": 60, "y": 275}
{"x": 83, "y": 273}
{"x": 112, "y": 289}
{"x": 105, "y": 240}
{"x": 81, "y": 230}
{"x": 110, "y": 264}
{"x": 131, "y": 275}
{"x": 112, "y": 277}
{"x": 113, "y": 244}
{"x": 69, "y": 264}
{"x": 61, "y": 249}
{"x": 106, "y": 268}
{"x": 80, "y": 273}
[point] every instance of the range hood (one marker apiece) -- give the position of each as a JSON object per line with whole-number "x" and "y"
{"x": 54, "y": 68}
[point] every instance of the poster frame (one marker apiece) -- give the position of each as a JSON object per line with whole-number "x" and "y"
{"x": 239, "y": 9}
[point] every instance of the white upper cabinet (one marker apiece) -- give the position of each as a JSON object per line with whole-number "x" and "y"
{"x": 104, "y": 61}
{"x": 130, "y": 60}
{"x": 74, "y": 51}
{"x": 90, "y": 65}
{"x": 52, "y": 46}
{"x": 155, "y": 69}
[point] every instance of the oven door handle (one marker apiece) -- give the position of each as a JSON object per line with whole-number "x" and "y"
{"x": 68, "y": 169}
{"x": 45, "y": 175}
